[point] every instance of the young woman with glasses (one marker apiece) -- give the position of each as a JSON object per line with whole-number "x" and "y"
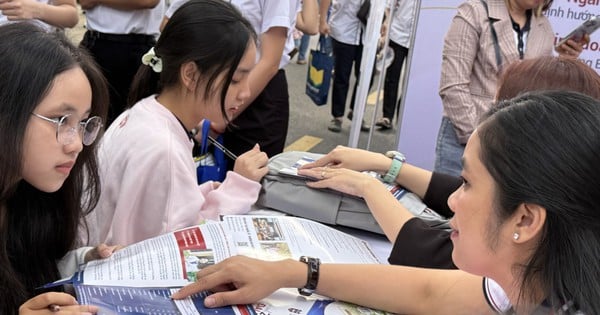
{"x": 52, "y": 102}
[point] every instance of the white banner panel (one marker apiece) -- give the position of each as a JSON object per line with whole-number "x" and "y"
{"x": 421, "y": 104}
{"x": 566, "y": 15}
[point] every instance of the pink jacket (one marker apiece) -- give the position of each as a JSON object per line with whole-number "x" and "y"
{"x": 148, "y": 179}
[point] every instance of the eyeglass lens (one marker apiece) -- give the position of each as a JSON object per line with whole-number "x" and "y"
{"x": 67, "y": 129}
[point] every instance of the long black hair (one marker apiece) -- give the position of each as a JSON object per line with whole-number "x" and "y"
{"x": 544, "y": 148}
{"x": 38, "y": 228}
{"x": 211, "y": 33}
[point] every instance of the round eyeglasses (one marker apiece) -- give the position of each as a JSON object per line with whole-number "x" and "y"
{"x": 67, "y": 128}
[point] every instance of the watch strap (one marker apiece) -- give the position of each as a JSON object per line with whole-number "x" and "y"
{"x": 392, "y": 173}
{"x": 312, "y": 275}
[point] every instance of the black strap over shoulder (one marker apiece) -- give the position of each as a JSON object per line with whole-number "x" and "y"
{"x": 494, "y": 36}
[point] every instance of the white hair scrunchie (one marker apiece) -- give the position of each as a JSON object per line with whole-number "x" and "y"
{"x": 150, "y": 59}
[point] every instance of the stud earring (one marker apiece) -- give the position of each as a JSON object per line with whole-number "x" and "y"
{"x": 516, "y": 236}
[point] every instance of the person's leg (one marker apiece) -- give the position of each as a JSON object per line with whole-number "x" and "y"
{"x": 357, "y": 61}
{"x": 344, "y": 57}
{"x": 303, "y": 48}
{"x": 392, "y": 81}
{"x": 448, "y": 151}
{"x": 357, "y": 58}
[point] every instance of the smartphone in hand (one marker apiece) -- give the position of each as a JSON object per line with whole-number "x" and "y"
{"x": 587, "y": 27}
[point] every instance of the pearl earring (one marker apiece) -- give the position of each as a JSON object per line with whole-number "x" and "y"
{"x": 516, "y": 236}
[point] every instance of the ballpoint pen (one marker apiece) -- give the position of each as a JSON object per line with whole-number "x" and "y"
{"x": 230, "y": 154}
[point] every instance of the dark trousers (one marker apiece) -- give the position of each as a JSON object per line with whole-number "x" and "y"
{"x": 264, "y": 122}
{"x": 119, "y": 57}
{"x": 345, "y": 56}
{"x": 392, "y": 80}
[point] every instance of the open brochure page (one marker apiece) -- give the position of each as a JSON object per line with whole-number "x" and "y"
{"x": 141, "y": 278}
{"x": 171, "y": 259}
{"x": 113, "y": 300}
{"x": 281, "y": 237}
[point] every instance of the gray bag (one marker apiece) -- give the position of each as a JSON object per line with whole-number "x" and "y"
{"x": 289, "y": 194}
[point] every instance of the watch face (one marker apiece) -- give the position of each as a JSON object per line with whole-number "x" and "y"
{"x": 395, "y": 155}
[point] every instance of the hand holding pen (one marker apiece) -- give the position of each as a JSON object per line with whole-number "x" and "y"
{"x": 55, "y": 302}
{"x": 252, "y": 164}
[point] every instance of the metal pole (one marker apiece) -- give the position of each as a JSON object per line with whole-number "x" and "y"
{"x": 382, "y": 72}
{"x": 371, "y": 36}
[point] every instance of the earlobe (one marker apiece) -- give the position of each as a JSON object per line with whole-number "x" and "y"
{"x": 530, "y": 221}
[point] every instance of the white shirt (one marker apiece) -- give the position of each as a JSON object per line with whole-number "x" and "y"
{"x": 43, "y": 25}
{"x": 265, "y": 14}
{"x": 104, "y": 19}
{"x": 403, "y": 22}
{"x": 175, "y": 4}
{"x": 344, "y": 26}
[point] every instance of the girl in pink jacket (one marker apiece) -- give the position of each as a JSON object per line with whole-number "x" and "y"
{"x": 197, "y": 70}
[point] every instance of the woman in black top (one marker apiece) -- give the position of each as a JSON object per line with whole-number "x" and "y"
{"x": 416, "y": 243}
{"x": 527, "y": 216}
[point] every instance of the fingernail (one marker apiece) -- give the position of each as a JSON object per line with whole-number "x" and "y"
{"x": 209, "y": 302}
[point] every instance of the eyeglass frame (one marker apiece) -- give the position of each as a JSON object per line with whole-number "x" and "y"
{"x": 80, "y": 129}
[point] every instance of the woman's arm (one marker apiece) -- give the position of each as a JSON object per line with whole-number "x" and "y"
{"x": 308, "y": 19}
{"x": 410, "y": 177}
{"x": 272, "y": 44}
{"x": 388, "y": 212}
{"x": 396, "y": 289}
{"x": 61, "y": 13}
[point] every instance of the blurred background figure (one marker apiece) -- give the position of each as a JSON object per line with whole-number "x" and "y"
{"x": 346, "y": 33}
{"x": 264, "y": 118}
{"x": 483, "y": 37}
{"x": 118, "y": 34}
{"x": 50, "y": 15}
{"x": 400, "y": 30}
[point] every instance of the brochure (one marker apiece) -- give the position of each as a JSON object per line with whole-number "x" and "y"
{"x": 140, "y": 278}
